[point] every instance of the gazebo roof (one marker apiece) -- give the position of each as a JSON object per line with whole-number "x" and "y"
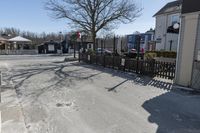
{"x": 19, "y": 39}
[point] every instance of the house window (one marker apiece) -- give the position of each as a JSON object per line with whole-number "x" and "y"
{"x": 175, "y": 19}
{"x": 130, "y": 39}
{"x": 51, "y": 47}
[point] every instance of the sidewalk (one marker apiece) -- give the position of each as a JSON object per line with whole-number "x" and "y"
{"x": 12, "y": 119}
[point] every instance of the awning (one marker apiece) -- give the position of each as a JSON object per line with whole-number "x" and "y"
{"x": 19, "y": 39}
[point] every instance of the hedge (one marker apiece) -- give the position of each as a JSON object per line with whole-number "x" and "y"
{"x": 166, "y": 54}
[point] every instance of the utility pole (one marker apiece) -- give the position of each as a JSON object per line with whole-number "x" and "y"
{"x": 138, "y": 39}
{"x": 114, "y": 45}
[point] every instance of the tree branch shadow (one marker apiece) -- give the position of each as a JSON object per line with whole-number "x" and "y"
{"x": 132, "y": 77}
{"x": 60, "y": 77}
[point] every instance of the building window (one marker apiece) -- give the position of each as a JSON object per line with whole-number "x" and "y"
{"x": 51, "y": 47}
{"x": 175, "y": 19}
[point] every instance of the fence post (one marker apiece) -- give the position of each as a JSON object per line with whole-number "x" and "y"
{"x": 96, "y": 59}
{"x": 152, "y": 67}
{"x": 113, "y": 61}
{"x": 104, "y": 65}
{"x": 79, "y": 52}
{"x": 0, "y": 78}
{"x": 0, "y": 84}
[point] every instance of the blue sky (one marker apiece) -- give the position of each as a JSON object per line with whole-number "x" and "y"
{"x": 29, "y": 15}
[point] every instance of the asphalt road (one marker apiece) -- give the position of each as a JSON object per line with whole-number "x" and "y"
{"x": 68, "y": 97}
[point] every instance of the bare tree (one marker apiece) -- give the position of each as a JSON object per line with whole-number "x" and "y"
{"x": 91, "y": 16}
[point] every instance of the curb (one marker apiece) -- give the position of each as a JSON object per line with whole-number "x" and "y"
{"x": 186, "y": 89}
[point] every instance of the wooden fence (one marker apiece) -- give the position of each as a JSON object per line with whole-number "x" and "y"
{"x": 145, "y": 67}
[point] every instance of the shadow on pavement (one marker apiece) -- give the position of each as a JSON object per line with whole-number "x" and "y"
{"x": 134, "y": 78}
{"x": 174, "y": 112}
{"x": 60, "y": 76}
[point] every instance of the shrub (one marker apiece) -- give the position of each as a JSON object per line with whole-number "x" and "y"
{"x": 150, "y": 55}
{"x": 91, "y": 52}
{"x": 166, "y": 54}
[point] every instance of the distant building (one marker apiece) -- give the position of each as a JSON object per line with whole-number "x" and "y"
{"x": 166, "y": 17}
{"x": 146, "y": 39}
{"x": 50, "y": 47}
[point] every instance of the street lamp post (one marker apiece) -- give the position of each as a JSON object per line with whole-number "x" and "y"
{"x": 138, "y": 39}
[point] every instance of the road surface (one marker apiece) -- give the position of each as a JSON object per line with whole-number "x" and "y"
{"x": 69, "y": 97}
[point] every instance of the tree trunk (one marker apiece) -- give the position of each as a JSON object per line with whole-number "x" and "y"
{"x": 94, "y": 40}
{"x": 74, "y": 50}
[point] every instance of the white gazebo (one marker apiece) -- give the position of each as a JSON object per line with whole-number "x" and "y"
{"x": 19, "y": 39}
{"x": 19, "y": 42}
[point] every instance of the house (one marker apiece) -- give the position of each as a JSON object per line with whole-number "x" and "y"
{"x": 87, "y": 42}
{"x": 50, "y": 47}
{"x": 188, "y": 60}
{"x": 146, "y": 42}
{"x": 166, "y": 17}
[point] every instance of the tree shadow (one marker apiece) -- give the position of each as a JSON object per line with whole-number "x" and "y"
{"x": 60, "y": 76}
{"x": 130, "y": 77}
{"x": 174, "y": 112}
